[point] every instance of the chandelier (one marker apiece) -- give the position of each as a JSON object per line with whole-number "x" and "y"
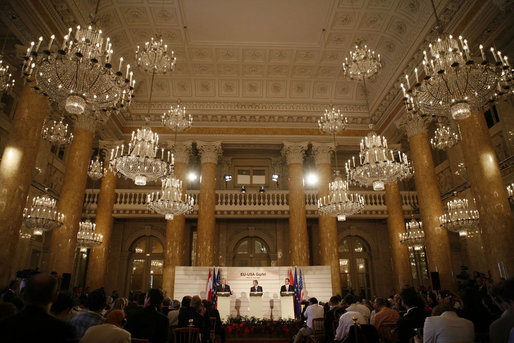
{"x": 505, "y": 84}
{"x": 332, "y": 121}
{"x": 177, "y": 119}
{"x": 139, "y": 161}
{"x": 459, "y": 217}
{"x": 170, "y": 201}
{"x": 154, "y": 56}
{"x": 96, "y": 169}
{"x": 56, "y": 132}
{"x": 413, "y": 237}
{"x": 340, "y": 202}
{"x": 42, "y": 215}
{"x": 444, "y": 138}
{"x": 363, "y": 63}
{"x": 6, "y": 80}
{"x": 87, "y": 237}
{"x": 79, "y": 74}
{"x": 377, "y": 165}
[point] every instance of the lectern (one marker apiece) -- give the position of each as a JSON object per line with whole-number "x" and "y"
{"x": 224, "y": 305}
{"x": 287, "y": 305}
{"x": 256, "y": 304}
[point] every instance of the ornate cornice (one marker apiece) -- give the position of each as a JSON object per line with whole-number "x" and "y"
{"x": 209, "y": 151}
{"x": 294, "y": 152}
{"x": 322, "y": 152}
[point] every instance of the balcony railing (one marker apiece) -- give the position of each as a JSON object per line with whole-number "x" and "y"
{"x": 231, "y": 203}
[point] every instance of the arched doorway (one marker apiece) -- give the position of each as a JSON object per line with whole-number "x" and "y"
{"x": 355, "y": 266}
{"x": 146, "y": 261}
{"x": 251, "y": 252}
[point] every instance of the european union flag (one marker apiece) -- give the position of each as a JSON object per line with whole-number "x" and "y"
{"x": 297, "y": 307}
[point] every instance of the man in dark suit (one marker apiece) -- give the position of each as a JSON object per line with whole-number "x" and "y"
{"x": 256, "y": 287}
{"x": 414, "y": 319}
{"x": 286, "y": 287}
{"x": 149, "y": 322}
{"x": 223, "y": 287}
{"x": 34, "y": 323}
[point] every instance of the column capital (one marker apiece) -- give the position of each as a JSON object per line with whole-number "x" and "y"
{"x": 413, "y": 124}
{"x": 294, "y": 152}
{"x": 181, "y": 151}
{"x": 321, "y": 152}
{"x": 107, "y": 146}
{"x": 209, "y": 151}
{"x": 85, "y": 122}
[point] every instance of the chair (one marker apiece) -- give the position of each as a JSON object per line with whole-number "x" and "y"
{"x": 139, "y": 340}
{"x": 187, "y": 335}
{"x": 318, "y": 331}
{"x": 212, "y": 332}
{"x": 386, "y": 334}
{"x": 362, "y": 333}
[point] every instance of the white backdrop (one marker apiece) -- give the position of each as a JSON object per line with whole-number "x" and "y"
{"x": 317, "y": 282}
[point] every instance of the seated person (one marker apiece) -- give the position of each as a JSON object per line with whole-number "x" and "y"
{"x": 286, "y": 287}
{"x": 346, "y": 322}
{"x": 414, "y": 318}
{"x": 384, "y": 315}
{"x": 96, "y": 303}
{"x": 149, "y": 322}
{"x": 223, "y": 287}
{"x": 446, "y": 326}
{"x": 313, "y": 311}
{"x": 256, "y": 287}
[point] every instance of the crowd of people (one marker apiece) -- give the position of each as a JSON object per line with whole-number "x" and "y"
{"x": 480, "y": 311}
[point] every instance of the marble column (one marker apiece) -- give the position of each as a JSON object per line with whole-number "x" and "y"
{"x": 97, "y": 267}
{"x": 298, "y": 238}
{"x": 327, "y": 224}
{"x": 64, "y": 239}
{"x": 16, "y": 171}
{"x": 487, "y": 186}
{"x": 436, "y": 238}
{"x": 396, "y": 225}
{"x": 209, "y": 154}
{"x": 174, "y": 247}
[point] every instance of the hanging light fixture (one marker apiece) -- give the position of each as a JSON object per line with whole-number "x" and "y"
{"x": 56, "y": 132}
{"x": 87, "y": 237}
{"x": 96, "y": 169}
{"x": 154, "y": 56}
{"x": 42, "y": 215}
{"x": 444, "y": 137}
{"x": 363, "y": 63}
{"x": 459, "y": 217}
{"x": 332, "y": 121}
{"x": 6, "y": 80}
{"x": 176, "y": 118}
{"x": 414, "y": 236}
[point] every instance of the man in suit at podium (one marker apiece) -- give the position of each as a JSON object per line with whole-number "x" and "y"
{"x": 286, "y": 287}
{"x": 256, "y": 287}
{"x": 223, "y": 287}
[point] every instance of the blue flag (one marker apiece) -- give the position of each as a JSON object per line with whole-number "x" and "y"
{"x": 214, "y": 284}
{"x": 300, "y": 286}
{"x": 297, "y": 306}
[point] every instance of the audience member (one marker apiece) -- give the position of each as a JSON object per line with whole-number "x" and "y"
{"x": 34, "y": 323}
{"x": 383, "y": 314}
{"x": 165, "y": 308}
{"x": 414, "y": 318}
{"x": 96, "y": 302}
{"x": 445, "y": 326}
{"x": 110, "y": 332}
{"x": 11, "y": 295}
{"x": 212, "y": 312}
{"x": 148, "y": 322}
{"x": 62, "y": 307}
{"x": 173, "y": 314}
{"x": 313, "y": 311}
{"x": 499, "y": 330}
{"x": 346, "y": 322}
{"x": 355, "y": 306}
{"x": 331, "y": 315}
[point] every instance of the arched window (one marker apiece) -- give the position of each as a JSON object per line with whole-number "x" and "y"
{"x": 250, "y": 252}
{"x": 355, "y": 266}
{"x": 145, "y": 264}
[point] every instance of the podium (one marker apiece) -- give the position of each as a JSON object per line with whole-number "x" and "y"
{"x": 287, "y": 305}
{"x": 224, "y": 305}
{"x": 256, "y": 304}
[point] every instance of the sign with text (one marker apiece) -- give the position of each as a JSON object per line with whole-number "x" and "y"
{"x": 252, "y": 273}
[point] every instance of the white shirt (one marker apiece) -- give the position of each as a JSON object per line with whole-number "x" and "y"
{"x": 346, "y": 322}
{"x": 448, "y": 327}
{"x": 312, "y": 312}
{"x": 362, "y": 309}
{"x": 106, "y": 333}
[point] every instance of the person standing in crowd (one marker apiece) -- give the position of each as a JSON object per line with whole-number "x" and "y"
{"x": 445, "y": 326}
{"x": 96, "y": 302}
{"x": 414, "y": 319}
{"x": 110, "y": 332}
{"x": 313, "y": 311}
{"x": 149, "y": 322}
{"x": 500, "y": 329}
{"x": 34, "y": 323}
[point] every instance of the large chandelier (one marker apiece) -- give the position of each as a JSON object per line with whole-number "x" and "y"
{"x": 42, "y": 215}
{"x": 6, "y": 80}
{"x": 340, "y": 202}
{"x": 96, "y": 169}
{"x": 79, "y": 74}
{"x": 377, "y": 164}
{"x": 459, "y": 217}
{"x": 56, "y": 132}
{"x": 444, "y": 137}
{"x": 414, "y": 236}
{"x": 154, "y": 56}
{"x": 363, "y": 63}
{"x": 505, "y": 86}
{"x": 332, "y": 121}
{"x": 139, "y": 161}
{"x": 177, "y": 119}
{"x": 87, "y": 237}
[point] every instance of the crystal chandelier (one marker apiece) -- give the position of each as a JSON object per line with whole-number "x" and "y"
{"x": 96, "y": 169}
{"x": 444, "y": 138}
{"x": 154, "y": 56}
{"x": 177, "y": 119}
{"x": 56, "y": 132}
{"x": 42, "y": 215}
{"x": 340, "y": 202}
{"x": 139, "y": 161}
{"x": 377, "y": 165}
{"x": 170, "y": 201}
{"x": 363, "y": 63}
{"x": 87, "y": 237}
{"x": 414, "y": 236}
{"x": 332, "y": 121}
{"x": 459, "y": 217}
{"x": 6, "y": 80}
{"x": 79, "y": 74}
{"x": 505, "y": 86}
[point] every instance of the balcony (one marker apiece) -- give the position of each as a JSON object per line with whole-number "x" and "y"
{"x": 131, "y": 203}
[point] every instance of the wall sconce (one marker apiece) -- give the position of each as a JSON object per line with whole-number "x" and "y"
{"x": 227, "y": 177}
{"x": 275, "y": 177}
{"x": 243, "y": 189}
